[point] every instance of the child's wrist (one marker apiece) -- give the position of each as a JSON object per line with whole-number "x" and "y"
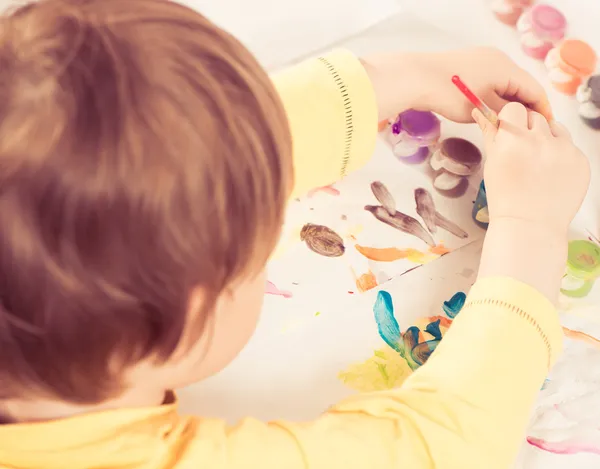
{"x": 397, "y": 82}
{"x": 527, "y": 251}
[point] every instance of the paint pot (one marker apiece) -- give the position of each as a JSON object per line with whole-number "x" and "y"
{"x": 412, "y": 134}
{"x": 541, "y": 28}
{"x": 481, "y": 215}
{"x": 455, "y": 160}
{"x": 509, "y": 11}
{"x": 569, "y": 64}
{"x": 588, "y": 96}
{"x": 583, "y": 268}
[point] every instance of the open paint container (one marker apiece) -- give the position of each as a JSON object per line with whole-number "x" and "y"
{"x": 569, "y": 64}
{"x": 412, "y": 134}
{"x": 583, "y": 268}
{"x": 453, "y": 162}
{"x": 481, "y": 214}
{"x": 541, "y": 28}
{"x": 509, "y": 11}
{"x": 588, "y": 96}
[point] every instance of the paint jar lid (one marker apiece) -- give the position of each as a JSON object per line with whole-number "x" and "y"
{"x": 461, "y": 151}
{"x": 577, "y": 57}
{"x": 422, "y": 126}
{"x": 584, "y": 259}
{"x": 548, "y": 22}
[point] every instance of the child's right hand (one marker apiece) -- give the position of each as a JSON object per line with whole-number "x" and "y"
{"x": 533, "y": 173}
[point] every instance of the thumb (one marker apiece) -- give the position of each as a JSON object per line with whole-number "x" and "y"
{"x": 487, "y": 128}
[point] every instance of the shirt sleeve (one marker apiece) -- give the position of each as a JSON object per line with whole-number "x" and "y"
{"x": 467, "y": 407}
{"x": 332, "y": 112}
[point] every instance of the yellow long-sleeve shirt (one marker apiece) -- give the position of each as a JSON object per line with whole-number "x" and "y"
{"x": 467, "y": 407}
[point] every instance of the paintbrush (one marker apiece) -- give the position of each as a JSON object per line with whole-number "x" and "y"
{"x": 488, "y": 113}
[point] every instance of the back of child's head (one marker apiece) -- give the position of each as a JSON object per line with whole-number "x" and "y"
{"x": 143, "y": 153}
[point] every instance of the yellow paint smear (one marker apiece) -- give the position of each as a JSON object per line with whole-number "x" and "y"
{"x": 394, "y": 254}
{"x": 386, "y": 369}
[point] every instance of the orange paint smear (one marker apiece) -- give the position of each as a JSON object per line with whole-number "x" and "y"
{"x": 582, "y": 337}
{"x": 394, "y": 254}
{"x": 444, "y": 321}
{"x": 366, "y": 282}
{"x": 440, "y": 250}
{"x": 325, "y": 189}
{"x": 383, "y": 125}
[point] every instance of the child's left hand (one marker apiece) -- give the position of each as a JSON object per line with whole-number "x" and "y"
{"x": 424, "y": 81}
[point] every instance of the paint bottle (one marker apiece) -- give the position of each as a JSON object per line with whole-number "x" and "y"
{"x": 509, "y": 11}
{"x": 569, "y": 64}
{"x": 583, "y": 268}
{"x": 481, "y": 215}
{"x": 453, "y": 162}
{"x": 541, "y": 28}
{"x": 412, "y": 134}
{"x": 588, "y": 96}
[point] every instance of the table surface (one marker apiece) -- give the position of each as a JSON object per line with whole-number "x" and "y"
{"x": 289, "y": 369}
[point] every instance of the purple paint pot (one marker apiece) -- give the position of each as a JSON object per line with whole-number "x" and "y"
{"x": 412, "y": 134}
{"x": 541, "y": 28}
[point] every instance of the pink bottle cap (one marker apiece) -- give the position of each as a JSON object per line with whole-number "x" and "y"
{"x": 547, "y": 22}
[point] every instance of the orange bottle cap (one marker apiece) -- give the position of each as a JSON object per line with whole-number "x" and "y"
{"x": 577, "y": 58}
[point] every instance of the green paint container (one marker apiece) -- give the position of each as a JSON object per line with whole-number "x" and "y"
{"x": 583, "y": 268}
{"x": 480, "y": 213}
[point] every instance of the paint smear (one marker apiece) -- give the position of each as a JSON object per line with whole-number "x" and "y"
{"x": 453, "y": 306}
{"x": 330, "y": 190}
{"x": 392, "y": 364}
{"x": 440, "y": 250}
{"x": 366, "y": 282}
{"x": 564, "y": 447}
{"x": 386, "y": 369}
{"x": 581, "y": 337}
{"x": 394, "y": 254}
{"x": 322, "y": 240}
{"x": 388, "y": 327}
{"x": 273, "y": 290}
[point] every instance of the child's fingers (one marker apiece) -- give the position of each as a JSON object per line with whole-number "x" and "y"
{"x": 539, "y": 123}
{"x": 487, "y": 128}
{"x": 560, "y": 131}
{"x": 515, "y": 114}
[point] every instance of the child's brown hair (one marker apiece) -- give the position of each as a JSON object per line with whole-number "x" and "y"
{"x": 143, "y": 153}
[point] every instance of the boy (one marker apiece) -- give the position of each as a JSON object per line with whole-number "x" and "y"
{"x": 146, "y": 159}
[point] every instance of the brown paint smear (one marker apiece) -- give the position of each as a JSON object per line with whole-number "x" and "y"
{"x": 322, "y": 240}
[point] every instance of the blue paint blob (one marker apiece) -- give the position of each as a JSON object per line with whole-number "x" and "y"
{"x": 453, "y": 306}
{"x": 421, "y": 353}
{"x": 388, "y": 327}
{"x": 433, "y": 328}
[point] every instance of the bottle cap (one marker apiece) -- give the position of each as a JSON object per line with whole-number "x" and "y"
{"x": 584, "y": 259}
{"x": 422, "y": 126}
{"x": 547, "y": 22}
{"x": 577, "y": 58}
